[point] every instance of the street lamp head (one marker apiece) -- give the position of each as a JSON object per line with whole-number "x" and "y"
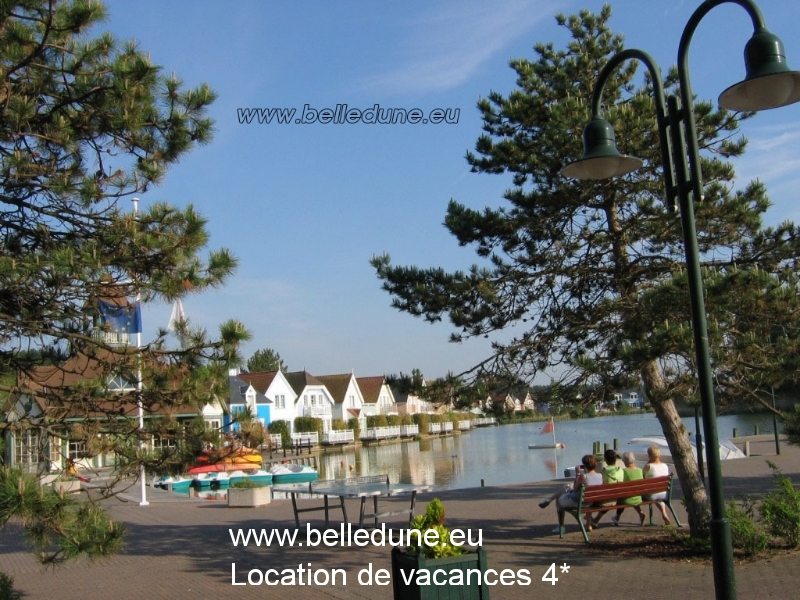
{"x": 769, "y": 82}
{"x": 601, "y": 159}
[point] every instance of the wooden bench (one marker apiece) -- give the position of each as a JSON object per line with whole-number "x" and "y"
{"x": 591, "y": 495}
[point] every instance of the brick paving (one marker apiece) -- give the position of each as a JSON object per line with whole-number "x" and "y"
{"x": 179, "y": 549}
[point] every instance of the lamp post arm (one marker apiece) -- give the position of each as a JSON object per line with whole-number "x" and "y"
{"x": 686, "y": 94}
{"x": 662, "y": 117}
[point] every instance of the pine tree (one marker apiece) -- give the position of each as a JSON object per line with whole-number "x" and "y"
{"x": 587, "y": 278}
{"x": 86, "y": 124}
{"x": 266, "y": 360}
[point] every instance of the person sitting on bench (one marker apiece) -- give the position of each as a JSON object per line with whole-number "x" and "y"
{"x": 656, "y": 468}
{"x": 567, "y": 497}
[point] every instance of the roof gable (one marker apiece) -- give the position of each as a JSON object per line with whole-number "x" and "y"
{"x": 337, "y": 385}
{"x": 259, "y": 380}
{"x": 300, "y": 380}
{"x": 371, "y": 388}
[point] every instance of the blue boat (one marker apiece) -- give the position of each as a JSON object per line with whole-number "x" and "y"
{"x": 287, "y": 473}
{"x": 211, "y": 481}
{"x": 177, "y": 483}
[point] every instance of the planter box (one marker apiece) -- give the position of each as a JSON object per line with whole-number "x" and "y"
{"x": 67, "y": 487}
{"x": 412, "y": 591}
{"x": 249, "y": 497}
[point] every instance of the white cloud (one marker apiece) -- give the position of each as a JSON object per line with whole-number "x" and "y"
{"x": 443, "y": 48}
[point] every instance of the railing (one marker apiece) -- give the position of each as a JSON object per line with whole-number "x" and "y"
{"x": 338, "y": 437}
{"x": 381, "y": 433}
{"x": 484, "y": 421}
{"x": 464, "y": 425}
{"x": 446, "y": 427}
{"x": 409, "y": 430}
{"x": 111, "y": 337}
{"x": 305, "y": 439}
{"x": 316, "y": 411}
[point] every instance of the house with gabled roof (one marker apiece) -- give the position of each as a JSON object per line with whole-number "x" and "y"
{"x": 47, "y": 396}
{"x": 267, "y": 395}
{"x": 411, "y": 404}
{"x": 377, "y": 395}
{"x": 312, "y": 397}
{"x": 348, "y": 400}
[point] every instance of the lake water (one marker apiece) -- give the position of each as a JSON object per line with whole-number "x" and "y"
{"x": 500, "y": 455}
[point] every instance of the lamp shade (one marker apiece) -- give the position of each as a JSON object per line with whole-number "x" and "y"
{"x": 769, "y": 83}
{"x": 601, "y": 159}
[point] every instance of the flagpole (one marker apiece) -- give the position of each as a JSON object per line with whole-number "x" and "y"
{"x": 139, "y": 407}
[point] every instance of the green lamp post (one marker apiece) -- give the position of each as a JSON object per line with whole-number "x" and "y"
{"x": 768, "y": 84}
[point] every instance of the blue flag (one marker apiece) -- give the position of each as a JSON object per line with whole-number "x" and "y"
{"x": 121, "y": 319}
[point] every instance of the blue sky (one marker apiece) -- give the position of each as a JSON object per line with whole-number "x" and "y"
{"x": 305, "y": 206}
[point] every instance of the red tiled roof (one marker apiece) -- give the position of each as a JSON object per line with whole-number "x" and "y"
{"x": 259, "y": 380}
{"x": 371, "y": 388}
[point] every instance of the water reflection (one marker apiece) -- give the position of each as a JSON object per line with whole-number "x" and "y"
{"x": 500, "y": 455}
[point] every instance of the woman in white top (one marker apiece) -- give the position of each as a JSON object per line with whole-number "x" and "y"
{"x": 656, "y": 468}
{"x": 567, "y": 497}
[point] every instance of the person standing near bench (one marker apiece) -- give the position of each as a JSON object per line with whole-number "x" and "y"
{"x": 656, "y": 468}
{"x": 567, "y": 497}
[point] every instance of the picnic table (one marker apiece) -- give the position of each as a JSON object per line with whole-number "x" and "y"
{"x": 362, "y": 488}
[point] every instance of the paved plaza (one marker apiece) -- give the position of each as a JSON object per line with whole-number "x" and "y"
{"x": 180, "y": 548}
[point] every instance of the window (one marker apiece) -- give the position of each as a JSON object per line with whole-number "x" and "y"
{"x": 55, "y": 450}
{"x": 120, "y": 384}
{"x": 164, "y": 443}
{"x": 27, "y": 449}
{"x": 280, "y": 401}
{"x": 76, "y": 450}
{"x": 352, "y": 401}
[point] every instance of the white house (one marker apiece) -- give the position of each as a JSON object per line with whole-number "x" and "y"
{"x": 348, "y": 400}
{"x": 267, "y": 395}
{"x": 377, "y": 395}
{"x": 411, "y": 404}
{"x": 312, "y": 398}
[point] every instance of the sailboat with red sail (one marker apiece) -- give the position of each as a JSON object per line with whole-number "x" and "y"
{"x": 549, "y": 427}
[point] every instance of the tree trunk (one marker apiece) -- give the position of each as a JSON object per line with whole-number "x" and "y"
{"x": 694, "y": 492}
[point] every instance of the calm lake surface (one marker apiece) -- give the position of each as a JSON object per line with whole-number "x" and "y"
{"x": 500, "y": 455}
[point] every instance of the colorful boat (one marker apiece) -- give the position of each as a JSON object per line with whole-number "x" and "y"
{"x": 286, "y": 473}
{"x": 212, "y": 481}
{"x": 239, "y": 459}
{"x": 178, "y": 483}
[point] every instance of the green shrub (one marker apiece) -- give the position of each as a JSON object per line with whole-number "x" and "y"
{"x": 377, "y": 421}
{"x": 746, "y": 533}
{"x": 246, "y": 484}
{"x": 308, "y": 425}
{"x": 432, "y": 519}
{"x": 422, "y": 419}
{"x": 7, "y": 591}
{"x": 780, "y": 509}
{"x": 282, "y": 428}
{"x": 355, "y": 425}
